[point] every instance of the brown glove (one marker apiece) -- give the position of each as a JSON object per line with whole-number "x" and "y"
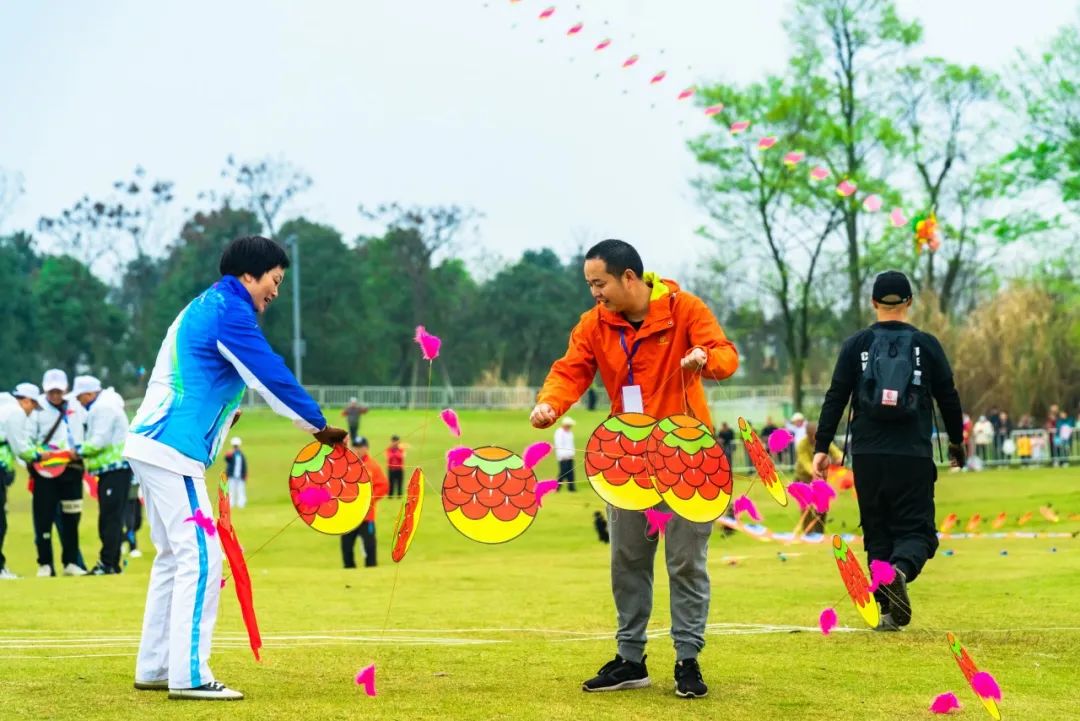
{"x": 331, "y": 436}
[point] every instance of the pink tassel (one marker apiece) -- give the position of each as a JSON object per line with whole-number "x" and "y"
{"x": 801, "y": 492}
{"x": 314, "y": 496}
{"x": 823, "y": 494}
{"x": 714, "y": 109}
{"x": 827, "y": 621}
{"x": 203, "y": 521}
{"x": 745, "y": 505}
{"x": 536, "y": 453}
{"x": 449, "y": 417}
{"x": 366, "y": 678}
{"x": 542, "y": 489}
{"x": 456, "y": 456}
{"x": 630, "y": 61}
{"x": 575, "y": 29}
{"x": 882, "y": 573}
{"x": 429, "y": 344}
{"x": 603, "y": 44}
{"x": 985, "y": 686}
{"x": 545, "y": 14}
{"x": 657, "y": 521}
{"x": 687, "y": 92}
{"x": 872, "y": 204}
{"x": 780, "y": 439}
{"x": 945, "y": 703}
{"x": 896, "y": 217}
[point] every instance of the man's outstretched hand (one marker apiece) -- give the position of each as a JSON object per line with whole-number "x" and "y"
{"x": 542, "y": 416}
{"x": 331, "y": 436}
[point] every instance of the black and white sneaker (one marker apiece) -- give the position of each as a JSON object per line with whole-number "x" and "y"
{"x": 102, "y": 570}
{"x": 688, "y": 681}
{"x": 618, "y": 675}
{"x": 899, "y": 602}
{"x": 213, "y": 691}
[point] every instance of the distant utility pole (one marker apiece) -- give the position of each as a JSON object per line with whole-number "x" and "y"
{"x": 298, "y": 342}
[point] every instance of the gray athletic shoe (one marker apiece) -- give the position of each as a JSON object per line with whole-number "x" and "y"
{"x": 886, "y": 624}
{"x": 213, "y": 691}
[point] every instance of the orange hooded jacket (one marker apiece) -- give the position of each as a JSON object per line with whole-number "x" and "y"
{"x": 379, "y": 485}
{"x": 677, "y": 321}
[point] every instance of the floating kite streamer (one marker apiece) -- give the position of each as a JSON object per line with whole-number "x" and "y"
{"x": 366, "y": 678}
{"x": 846, "y": 188}
{"x": 658, "y": 77}
{"x": 575, "y": 29}
{"x": 429, "y": 344}
{"x": 855, "y": 583}
{"x": 203, "y": 521}
{"x": 657, "y": 521}
{"x": 986, "y": 686}
{"x": 827, "y": 621}
{"x": 536, "y": 453}
{"x": 802, "y": 493}
{"x": 547, "y": 12}
{"x": 793, "y": 158}
{"x": 491, "y": 496}
{"x": 882, "y": 573}
{"x": 543, "y": 488}
{"x": 687, "y": 93}
{"x": 714, "y": 109}
{"x": 896, "y": 217}
{"x": 603, "y": 44}
{"x": 615, "y": 462}
{"x": 457, "y": 456}
{"x": 819, "y": 173}
{"x": 872, "y": 203}
{"x": 689, "y": 468}
{"x": 739, "y": 126}
{"x": 743, "y": 504}
{"x": 766, "y": 142}
{"x": 449, "y": 417}
{"x": 409, "y": 516}
{"x": 945, "y": 703}
{"x": 780, "y": 439}
{"x": 230, "y": 544}
{"x": 822, "y": 495}
{"x": 630, "y": 61}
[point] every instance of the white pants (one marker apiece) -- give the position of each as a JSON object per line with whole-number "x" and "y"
{"x": 185, "y": 581}
{"x": 237, "y": 492}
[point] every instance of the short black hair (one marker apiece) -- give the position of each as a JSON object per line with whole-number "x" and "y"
{"x": 618, "y": 256}
{"x": 252, "y": 254}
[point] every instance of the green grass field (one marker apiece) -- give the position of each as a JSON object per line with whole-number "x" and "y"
{"x": 510, "y": 631}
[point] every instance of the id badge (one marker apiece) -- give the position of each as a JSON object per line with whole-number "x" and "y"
{"x": 631, "y": 400}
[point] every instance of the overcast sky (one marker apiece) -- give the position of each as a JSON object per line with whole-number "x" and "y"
{"x": 422, "y": 101}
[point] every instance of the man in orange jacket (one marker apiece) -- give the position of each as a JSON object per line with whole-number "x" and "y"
{"x": 366, "y": 530}
{"x": 651, "y": 343}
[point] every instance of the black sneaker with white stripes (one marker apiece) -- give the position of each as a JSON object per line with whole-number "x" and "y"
{"x": 688, "y": 681}
{"x": 619, "y": 675}
{"x": 213, "y": 691}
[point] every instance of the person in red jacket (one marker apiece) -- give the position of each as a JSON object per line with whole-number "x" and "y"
{"x": 652, "y": 343}
{"x": 395, "y": 465}
{"x": 366, "y": 530}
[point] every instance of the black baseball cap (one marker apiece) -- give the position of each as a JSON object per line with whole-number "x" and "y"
{"x": 361, "y": 441}
{"x": 892, "y": 288}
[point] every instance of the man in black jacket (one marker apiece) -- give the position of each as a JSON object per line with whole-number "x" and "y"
{"x": 893, "y": 372}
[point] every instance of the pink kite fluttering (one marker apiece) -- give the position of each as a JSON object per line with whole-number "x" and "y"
{"x": 603, "y": 44}
{"x": 547, "y": 12}
{"x": 872, "y": 203}
{"x": 827, "y": 621}
{"x": 743, "y": 504}
{"x": 739, "y": 126}
{"x": 802, "y": 493}
{"x": 823, "y": 494}
{"x": 542, "y": 489}
{"x": 882, "y": 573}
{"x": 536, "y": 453}
{"x": 575, "y": 29}
{"x": 793, "y": 158}
{"x": 896, "y": 217}
{"x": 658, "y": 77}
{"x": 846, "y": 188}
{"x": 203, "y": 521}
{"x": 657, "y": 521}
{"x": 944, "y": 703}
{"x": 819, "y": 173}
{"x": 714, "y": 109}
{"x": 366, "y": 678}
{"x": 767, "y": 142}
{"x": 449, "y": 417}
{"x": 630, "y": 61}
{"x": 429, "y": 344}
{"x": 780, "y": 439}
{"x": 456, "y": 456}
{"x": 985, "y": 686}
{"x": 687, "y": 93}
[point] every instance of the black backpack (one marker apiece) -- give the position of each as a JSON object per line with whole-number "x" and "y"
{"x": 891, "y": 385}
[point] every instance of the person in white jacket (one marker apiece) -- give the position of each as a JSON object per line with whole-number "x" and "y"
{"x": 103, "y": 453}
{"x": 56, "y": 432}
{"x": 14, "y": 445}
{"x": 564, "y": 453}
{"x": 983, "y": 435}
